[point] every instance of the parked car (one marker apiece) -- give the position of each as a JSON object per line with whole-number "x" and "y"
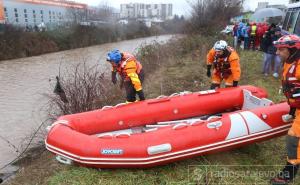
{"x": 228, "y": 29}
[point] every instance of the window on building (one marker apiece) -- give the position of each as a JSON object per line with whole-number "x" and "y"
{"x": 25, "y": 15}
{"x": 25, "y": 11}
{"x": 33, "y": 11}
{"x": 42, "y": 12}
{"x": 5, "y": 9}
{"x": 16, "y": 10}
{"x": 17, "y": 20}
{"x": 16, "y": 15}
{"x": 26, "y": 20}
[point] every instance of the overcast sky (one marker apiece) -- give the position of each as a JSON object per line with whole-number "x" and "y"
{"x": 180, "y": 7}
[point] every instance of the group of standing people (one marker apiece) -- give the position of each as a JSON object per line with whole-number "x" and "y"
{"x": 248, "y": 35}
{"x": 260, "y": 36}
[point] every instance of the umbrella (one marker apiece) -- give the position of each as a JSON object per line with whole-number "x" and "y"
{"x": 267, "y": 12}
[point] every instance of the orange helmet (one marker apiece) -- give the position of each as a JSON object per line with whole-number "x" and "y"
{"x": 288, "y": 41}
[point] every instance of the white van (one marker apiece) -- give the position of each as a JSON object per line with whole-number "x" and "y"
{"x": 291, "y": 22}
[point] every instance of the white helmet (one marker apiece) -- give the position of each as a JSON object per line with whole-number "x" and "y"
{"x": 220, "y": 45}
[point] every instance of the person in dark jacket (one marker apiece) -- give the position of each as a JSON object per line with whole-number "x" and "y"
{"x": 267, "y": 46}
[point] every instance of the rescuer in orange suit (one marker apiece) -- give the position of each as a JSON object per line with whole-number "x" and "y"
{"x": 130, "y": 71}
{"x": 288, "y": 48}
{"x": 226, "y": 65}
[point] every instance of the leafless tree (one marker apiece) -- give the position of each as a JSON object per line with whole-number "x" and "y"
{"x": 210, "y": 15}
{"x": 83, "y": 88}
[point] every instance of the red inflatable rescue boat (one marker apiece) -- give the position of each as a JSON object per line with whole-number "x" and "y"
{"x": 166, "y": 129}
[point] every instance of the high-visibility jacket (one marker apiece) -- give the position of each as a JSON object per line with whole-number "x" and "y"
{"x": 225, "y": 66}
{"x": 129, "y": 69}
{"x": 290, "y": 83}
{"x": 253, "y": 30}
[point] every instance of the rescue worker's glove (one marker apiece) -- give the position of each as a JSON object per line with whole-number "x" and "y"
{"x": 235, "y": 83}
{"x": 141, "y": 95}
{"x": 292, "y": 111}
{"x": 208, "y": 73}
{"x": 114, "y": 77}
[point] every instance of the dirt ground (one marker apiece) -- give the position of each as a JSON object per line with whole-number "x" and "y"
{"x": 32, "y": 168}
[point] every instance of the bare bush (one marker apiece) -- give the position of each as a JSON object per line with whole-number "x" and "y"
{"x": 85, "y": 89}
{"x": 211, "y": 15}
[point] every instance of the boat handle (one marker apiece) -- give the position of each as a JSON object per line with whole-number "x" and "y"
{"x": 213, "y": 117}
{"x": 120, "y": 104}
{"x": 106, "y": 107}
{"x": 151, "y": 130}
{"x": 63, "y": 122}
{"x": 201, "y": 93}
{"x": 106, "y": 136}
{"x": 123, "y": 135}
{"x": 63, "y": 160}
{"x": 287, "y": 118}
{"x": 174, "y": 94}
{"x": 180, "y": 126}
{"x": 158, "y": 100}
{"x": 161, "y": 96}
{"x": 215, "y": 125}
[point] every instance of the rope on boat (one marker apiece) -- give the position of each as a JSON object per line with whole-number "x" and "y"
{"x": 159, "y": 97}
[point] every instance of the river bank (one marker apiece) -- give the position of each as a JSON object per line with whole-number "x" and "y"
{"x": 17, "y": 43}
{"x": 185, "y": 70}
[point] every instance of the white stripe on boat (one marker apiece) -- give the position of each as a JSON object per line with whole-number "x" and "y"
{"x": 175, "y": 155}
{"x": 238, "y": 127}
{"x": 137, "y": 161}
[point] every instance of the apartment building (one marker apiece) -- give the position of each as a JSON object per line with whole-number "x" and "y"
{"x": 142, "y": 10}
{"x": 34, "y": 12}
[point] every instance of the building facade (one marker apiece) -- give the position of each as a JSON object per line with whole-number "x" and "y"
{"x": 35, "y": 12}
{"x": 141, "y": 10}
{"x": 267, "y": 5}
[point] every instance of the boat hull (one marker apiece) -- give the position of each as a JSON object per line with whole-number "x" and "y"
{"x": 169, "y": 143}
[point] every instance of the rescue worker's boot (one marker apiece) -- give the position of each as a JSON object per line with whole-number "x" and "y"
{"x": 215, "y": 86}
{"x": 286, "y": 175}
